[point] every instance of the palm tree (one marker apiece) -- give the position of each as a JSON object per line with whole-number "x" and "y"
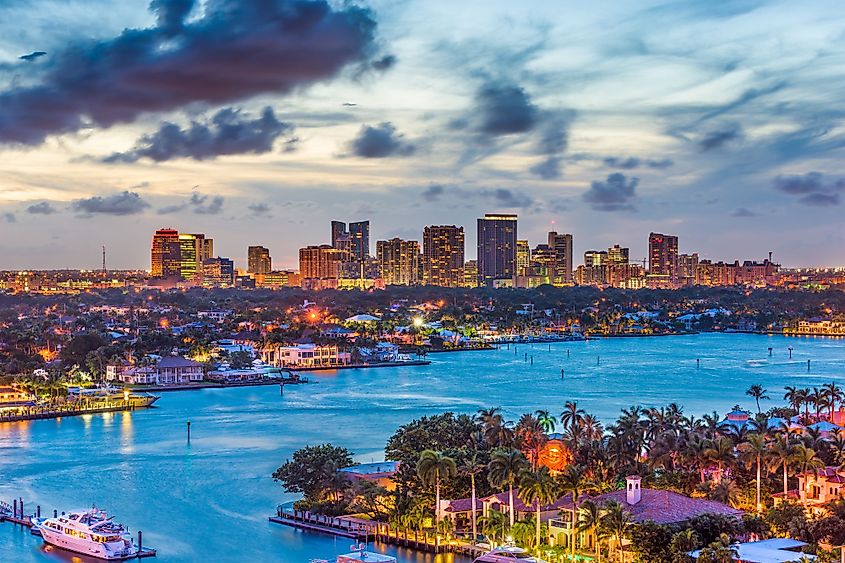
{"x": 503, "y": 470}
{"x": 807, "y": 460}
{"x": 752, "y": 451}
{"x": 432, "y": 468}
{"x": 720, "y": 452}
{"x": 794, "y": 397}
{"x": 493, "y": 525}
{"x": 833, "y": 394}
{"x": 781, "y": 454}
{"x": 573, "y": 481}
{"x": 758, "y": 393}
{"x": 589, "y": 518}
{"x": 537, "y": 488}
{"x": 571, "y": 414}
{"x": 472, "y": 466}
{"x": 616, "y": 521}
{"x": 546, "y": 420}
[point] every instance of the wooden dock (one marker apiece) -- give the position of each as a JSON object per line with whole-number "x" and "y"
{"x": 356, "y": 528}
{"x": 39, "y": 413}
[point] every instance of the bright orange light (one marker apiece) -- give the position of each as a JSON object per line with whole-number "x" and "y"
{"x": 164, "y": 323}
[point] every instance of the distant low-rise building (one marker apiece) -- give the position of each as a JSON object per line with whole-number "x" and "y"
{"x": 170, "y": 370}
{"x": 305, "y": 355}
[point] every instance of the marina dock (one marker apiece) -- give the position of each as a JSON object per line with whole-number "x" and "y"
{"x": 14, "y": 514}
{"x": 367, "y": 530}
{"x": 42, "y": 413}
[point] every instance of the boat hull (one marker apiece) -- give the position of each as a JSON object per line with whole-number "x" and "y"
{"x": 85, "y": 547}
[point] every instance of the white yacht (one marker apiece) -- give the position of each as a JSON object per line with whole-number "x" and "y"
{"x": 508, "y": 554}
{"x": 89, "y": 532}
{"x": 359, "y": 554}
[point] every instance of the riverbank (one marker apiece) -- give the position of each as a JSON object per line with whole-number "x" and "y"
{"x": 286, "y": 381}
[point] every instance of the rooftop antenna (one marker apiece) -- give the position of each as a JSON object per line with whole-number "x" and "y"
{"x": 770, "y": 256}
{"x": 104, "y": 259}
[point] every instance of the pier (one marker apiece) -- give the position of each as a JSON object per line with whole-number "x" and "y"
{"x": 15, "y": 514}
{"x": 41, "y": 413}
{"x": 360, "y": 529}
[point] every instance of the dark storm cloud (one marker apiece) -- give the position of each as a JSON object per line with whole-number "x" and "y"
{"x": 552, "y": 143}
{"x": 197, "y": 203}
{"x": 815, "y": 190}
{"x": 717, "y": 138}
{"x": 380, "y": 141}
{"x": 617, "y": 193}
{"x": 32, "y": 56}
{"x": 228, "y": 132}
{"x": 123, "y": 203}
{"x": 42, "y": 208}
{"x": 501, "y": 197}
{"x": 235, "y": 50}
{"x": 507, "y": 198}
{"x": 633, "y": 162}
{"x": 504, "y": 109}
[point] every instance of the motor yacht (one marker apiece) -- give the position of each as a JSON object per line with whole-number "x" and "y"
{"x": 89, "y": 532}
{"x": 508, "y": 554}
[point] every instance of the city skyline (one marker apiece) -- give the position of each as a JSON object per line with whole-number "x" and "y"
{"x": 604, "y": 124}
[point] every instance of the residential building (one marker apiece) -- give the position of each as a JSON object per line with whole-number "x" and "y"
{"x": 398, "y": 261}
{"x": 355, "y": 240}
{"x": 321, "y": 262}
{"x": 617, "y": 255}
{"x": 496, "y": 248}
{"x": 218, "y": 272}
{"x": 169, "y": 370}
{"x": 305, "y": 355}
{"x": 443, "y": 255}
{"x": 595, "y": 258}
{"x": 12, "y": 398}
{"x": 663, "y": 256}
{"x": 258, "y": 260}
{"x": 687, "y": 268}
{"x": 470, "y": 274}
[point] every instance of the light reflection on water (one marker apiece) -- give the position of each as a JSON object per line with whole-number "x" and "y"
{"x": 209, "y": 501}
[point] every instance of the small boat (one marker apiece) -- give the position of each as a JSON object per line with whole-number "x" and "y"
{"x": 508, "y": 554}
{"x": 359, "y": 554}
{"x": 88, "y": 532}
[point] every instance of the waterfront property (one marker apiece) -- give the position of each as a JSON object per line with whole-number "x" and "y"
{"x": 305, "y": 356}
{"x": 14, "y": 399}
{"x": 169, "y": 370}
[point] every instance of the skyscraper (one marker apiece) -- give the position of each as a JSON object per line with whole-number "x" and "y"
{"x": 523, "y": 257}
{"x": 663, "y": 255}
{"x": 194, "y": 250}
{"x": 496, "y": 248}
{"x": 165, "y": 254}
{"x": 338, "y": 230}
{"x": 561, "y": 244}
{"x": 398, "y": 261}
{"x": 595, "y": 258}
{"x": 258, "y": 260}
{"x": 359, "y": 232}
{"x": 443, "y": 255}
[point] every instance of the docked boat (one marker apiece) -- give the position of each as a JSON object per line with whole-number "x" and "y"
{"x": 359, "y": 554}
{"x": 88, "y": 532}
{"x": 508, "y": 554}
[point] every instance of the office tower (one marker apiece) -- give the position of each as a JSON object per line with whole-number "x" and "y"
{"x": 258, "y": 260}
{"x": 443, "y": 255}
{"x": 617, "y": 255}
{"x": 595, "y": 258}
{"x": 165, "y": 254}
{"x": 398, "y": 261}
{"x": 218, "y": 272}
{"x": 523, "y": 257}
{"x": 543, "y": 260}
{"x": 663, "y": 255}
{"x": 561, "y": 244}
{"x": 360, "y": 234}
{"x": 194, "y": 250}
{"x": 338, "y": 230}
{"x": 496, "y": 248}
{"x": 321, "y": 262}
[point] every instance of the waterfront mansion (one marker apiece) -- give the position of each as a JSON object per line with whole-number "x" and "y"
{"x": 169, "y": 370}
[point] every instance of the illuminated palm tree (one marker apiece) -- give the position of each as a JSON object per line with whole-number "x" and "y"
{"x": 752, "y": 452}
{"x": 432, "y": 468}
{"x": 806, "y": 459}
{"x": 589, "y": 518}
{"x": 537, "y": 488}
{"x": 546, "y": 420}
{"x": 503, "y": 471}
{"x": 573, "y": 480}
{"x": 472, "y": 466}
{"x": 781, "y": 455}
{"x": 616, "y": 521}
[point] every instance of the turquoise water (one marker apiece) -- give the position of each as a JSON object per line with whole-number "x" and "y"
{"x": 209, "y": 501}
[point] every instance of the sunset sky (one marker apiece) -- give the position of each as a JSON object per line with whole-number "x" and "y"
{"x": 258, "y": 122}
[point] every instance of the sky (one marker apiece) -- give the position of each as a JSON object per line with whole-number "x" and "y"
{"x": 260, "y": 121}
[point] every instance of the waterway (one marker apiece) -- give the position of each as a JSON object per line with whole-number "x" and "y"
{"x": 209, "y": 500}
